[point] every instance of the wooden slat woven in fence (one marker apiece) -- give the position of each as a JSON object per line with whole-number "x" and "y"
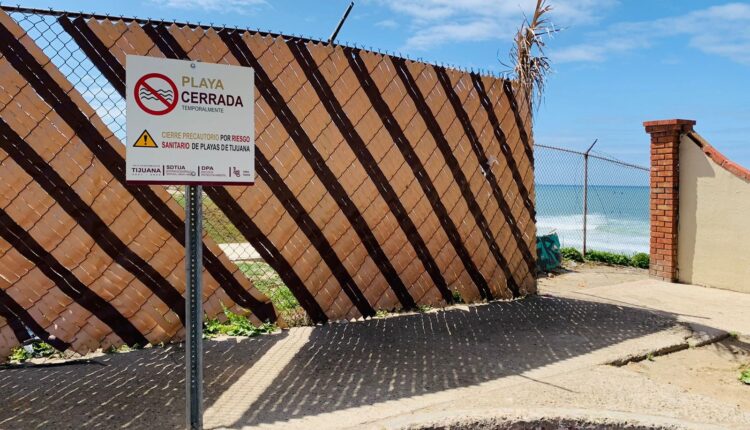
{"x": 383, "y": 183}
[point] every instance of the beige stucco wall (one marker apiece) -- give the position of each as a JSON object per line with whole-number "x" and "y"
{"x": 714, "y": 223}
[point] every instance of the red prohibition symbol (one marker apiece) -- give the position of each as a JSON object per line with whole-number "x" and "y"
{"x": 167, "y": 98}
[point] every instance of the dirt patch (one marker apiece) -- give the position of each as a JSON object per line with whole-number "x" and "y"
{"x": 543, "y": 424}
{"x": 589, "y": 275}
{"x": 538, "y": 425}
{"x": 539, "y": 420}
{"x": 712, "y": 370}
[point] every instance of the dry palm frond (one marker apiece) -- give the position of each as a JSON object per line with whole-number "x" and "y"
{"x": 530, "y": 64}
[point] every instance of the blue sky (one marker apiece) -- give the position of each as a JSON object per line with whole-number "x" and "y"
{"x": 616, "y": 63}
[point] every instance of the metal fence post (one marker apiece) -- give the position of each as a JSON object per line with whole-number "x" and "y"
{"x": 586, "y": 192}
{"x": 341, "y": 23}
{"x": 194, "y": 306}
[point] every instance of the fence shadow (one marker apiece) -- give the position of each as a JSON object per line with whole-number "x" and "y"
{"x": 138, "y": 389}
{"x": 339, "y": 366}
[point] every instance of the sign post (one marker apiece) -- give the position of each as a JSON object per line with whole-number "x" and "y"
{"x": 194, "y": 305}
{"x": 192, "y": 124}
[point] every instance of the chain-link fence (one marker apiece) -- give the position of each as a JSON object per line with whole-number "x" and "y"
{"x": 364, "y": 199}
{"x": 47, "y": 31}
{"x": 617, "y": 203}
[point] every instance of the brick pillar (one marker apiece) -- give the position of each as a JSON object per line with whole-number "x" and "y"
{"x": 665, "y": 182}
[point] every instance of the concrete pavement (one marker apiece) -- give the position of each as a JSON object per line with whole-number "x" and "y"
{"x": 544, "y": 355}
{"x": 711, "y": 307}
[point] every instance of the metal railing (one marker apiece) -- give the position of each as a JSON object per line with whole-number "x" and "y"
{"x": 592, "y": 201}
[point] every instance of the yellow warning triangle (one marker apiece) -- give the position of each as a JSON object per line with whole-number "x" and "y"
{"x": 145, "y": 141}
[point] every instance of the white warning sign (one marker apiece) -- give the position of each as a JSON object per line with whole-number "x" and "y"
{"x": 189, "y": 122}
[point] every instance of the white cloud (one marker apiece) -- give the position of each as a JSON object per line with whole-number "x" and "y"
{"x": 387, "y": 23}
{"x": 569, "y": 11}
{"x": 596, "y": 52}
{"x": 579, "y": 53}
{"x": 718, "y": 30}
{"x": 236, "y": 6}
{"x": 438, "y": 22}
{"x": 448, "y": 33}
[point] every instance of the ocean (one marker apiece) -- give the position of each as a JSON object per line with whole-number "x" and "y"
{"x": 618, "y": 216}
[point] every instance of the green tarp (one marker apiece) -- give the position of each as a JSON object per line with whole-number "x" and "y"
{"x": 548, "y": 252}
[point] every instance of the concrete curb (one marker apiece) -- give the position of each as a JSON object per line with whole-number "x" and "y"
{"x": 701, "y": 336}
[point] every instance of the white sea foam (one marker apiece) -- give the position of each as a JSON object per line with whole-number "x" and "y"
{"x": 621, "y": 234}
{"x": 546, "y": 224}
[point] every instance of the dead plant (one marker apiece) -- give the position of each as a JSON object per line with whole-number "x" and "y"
{"x": 530, "y": 65}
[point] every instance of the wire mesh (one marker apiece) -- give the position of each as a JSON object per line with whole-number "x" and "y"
{"x": 72, "y": 62}
{"x": 618, "y": 207}
{"x": 617, "y": 219}
{"x": 109, "y": 105}
{"x": 559, "y": 194}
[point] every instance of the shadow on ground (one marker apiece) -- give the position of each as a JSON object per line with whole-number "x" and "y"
{"x": 340, "y": 366}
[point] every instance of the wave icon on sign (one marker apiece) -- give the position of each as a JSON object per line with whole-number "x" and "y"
{"x": 145, "y": 94}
